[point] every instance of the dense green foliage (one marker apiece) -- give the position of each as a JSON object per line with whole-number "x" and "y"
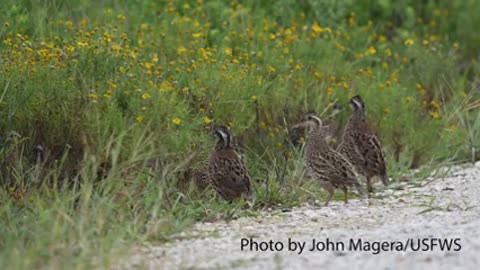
{"x": 106, "y": 108}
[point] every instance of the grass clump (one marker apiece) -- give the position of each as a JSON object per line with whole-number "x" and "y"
{"x": 106, "y": 108}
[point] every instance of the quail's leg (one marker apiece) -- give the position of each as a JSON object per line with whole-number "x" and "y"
{"x": 330, "y": 189}
{"x": 345, "y": 191}
{"x": 330, "y": 196}
{"x": 369, "y": 184}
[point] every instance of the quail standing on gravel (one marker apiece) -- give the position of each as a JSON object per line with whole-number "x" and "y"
{"x": 226, "y": 170}
{"x": 361, "y": 146}
{"x": 324, "y": 164}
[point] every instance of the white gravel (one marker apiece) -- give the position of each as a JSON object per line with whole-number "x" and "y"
{"x": 400, "y": 215}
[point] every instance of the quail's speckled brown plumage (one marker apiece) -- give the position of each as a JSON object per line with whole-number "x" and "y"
{"x": 226, "y": 170}
{"x": 361, "y": 146}
{"x": 324, "y": 164}
{"x": 200, "y": 178}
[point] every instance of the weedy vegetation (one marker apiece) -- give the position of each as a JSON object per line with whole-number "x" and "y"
{"x": 106, "y": 108}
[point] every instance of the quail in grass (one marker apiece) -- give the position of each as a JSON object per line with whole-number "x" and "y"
{"x": 226, "y": 169}
{"x": 361, "y": 146}
{"x": 324, "y": 164}
{"x": 297, "y": 133}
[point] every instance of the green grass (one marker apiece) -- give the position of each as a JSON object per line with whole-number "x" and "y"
{"x": 105, "y": 106}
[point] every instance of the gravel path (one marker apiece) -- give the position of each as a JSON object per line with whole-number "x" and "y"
{"x": 446, "y": 208}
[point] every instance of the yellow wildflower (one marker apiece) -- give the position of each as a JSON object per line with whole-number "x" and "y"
{"x": 139, "y": 118}
{"x": 316, "y": 28}
{"x": 254, "y": 98}
{"x": 207, "y": 120}
{"x": 112, "y": 85}
{"x": 371, "y": 50}
{"x": 434, "y": 114}
{"x": 108, "y": 94}
{"x": 388, "y": 52}
{"x": 82, "y": 44}
{"x": 329, "y": 91}
{"x": 177, "y": 121}
{"x": 146, "y": 96}
{"x": 181, "y": 50}
{"x": 149, "y": 65}
{"x": 408, "y": 42}
{"x": 382, "y": 38}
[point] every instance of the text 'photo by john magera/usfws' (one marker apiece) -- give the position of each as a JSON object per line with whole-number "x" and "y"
{"x": 214, "y": 134}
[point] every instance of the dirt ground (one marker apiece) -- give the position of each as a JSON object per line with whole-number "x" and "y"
{"x": 445, "y": 208}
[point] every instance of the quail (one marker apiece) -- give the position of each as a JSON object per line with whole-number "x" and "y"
{"x": 324, "y": 164}
{"x": 226, "y": 169}
{"x": 361, "y": 146}
{"x": 296, "y": 134}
